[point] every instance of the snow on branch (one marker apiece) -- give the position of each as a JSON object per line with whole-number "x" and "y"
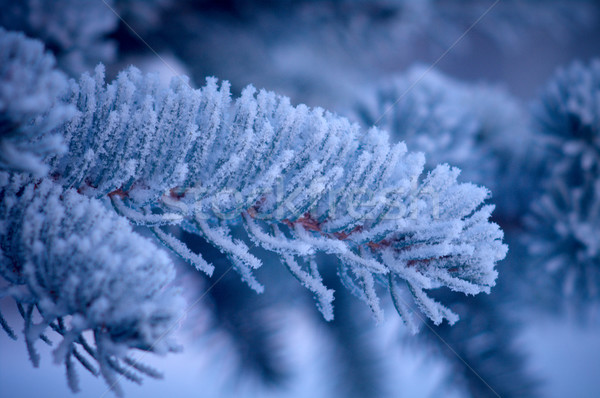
{"x": 564, "y": 221}
{"x": 30, "y": 108}
{"x": 568, "y": 119}
{"x": 74, "y": 267}
{"x": 302, "y": 180}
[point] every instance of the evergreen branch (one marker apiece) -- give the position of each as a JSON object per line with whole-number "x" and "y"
{"x": 74, "y": 258}
{"x": 30, "y": 107}
{"x": 259, "y": 161}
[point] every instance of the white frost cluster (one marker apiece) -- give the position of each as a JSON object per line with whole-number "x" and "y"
{"x": 562, "y": 240}
{"x": 568, "y": 120}
{"x": 79, "y": 267}
{"x": 302, "y": 181}
{"x": 564, "y": 221}
{"x": 30, "y": 108}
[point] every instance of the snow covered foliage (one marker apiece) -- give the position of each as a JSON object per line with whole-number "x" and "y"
{"x": 104, "y": 175}
{"x": 568, "y": 120}
{"x": 478, "y": 128}
{"x": 30, "y": 108}
{"x": 77, "y": 269}
{"x": 300, "y": 180}
{"x": 564, "y": 223}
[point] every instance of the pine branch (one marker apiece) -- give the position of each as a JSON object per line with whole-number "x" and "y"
{"x": 30, "y": 108}
{"x": 82, "y": 268}
{"x": 302, "y": 180}
{"x": 567, "y": 120}
{"x": 564, "y": 221}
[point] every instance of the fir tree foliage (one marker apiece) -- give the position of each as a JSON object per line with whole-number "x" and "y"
{"x": 567, "y": 118}
{"x": 564, "y": 221}
{"x": 30, "y": 108}
{"x": 300, "y": 180}
{"x": 237, "y": 181}
{"x": 78, "y": 267}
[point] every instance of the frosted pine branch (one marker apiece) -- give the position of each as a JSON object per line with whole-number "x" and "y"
{"x": 301, "y": 180}
{"x": 78, "y": 267}
{"x": 30, "y": 108}
{"x": 564, "y": 221}
{"x": 568, "y": 121}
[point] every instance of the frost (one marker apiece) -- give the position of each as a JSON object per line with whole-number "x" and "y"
{"x": 564, "y": 220}
{"x": 81, "y": 268}
{"x": 30, "y": 108}
{"x": 302, "y": 181}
